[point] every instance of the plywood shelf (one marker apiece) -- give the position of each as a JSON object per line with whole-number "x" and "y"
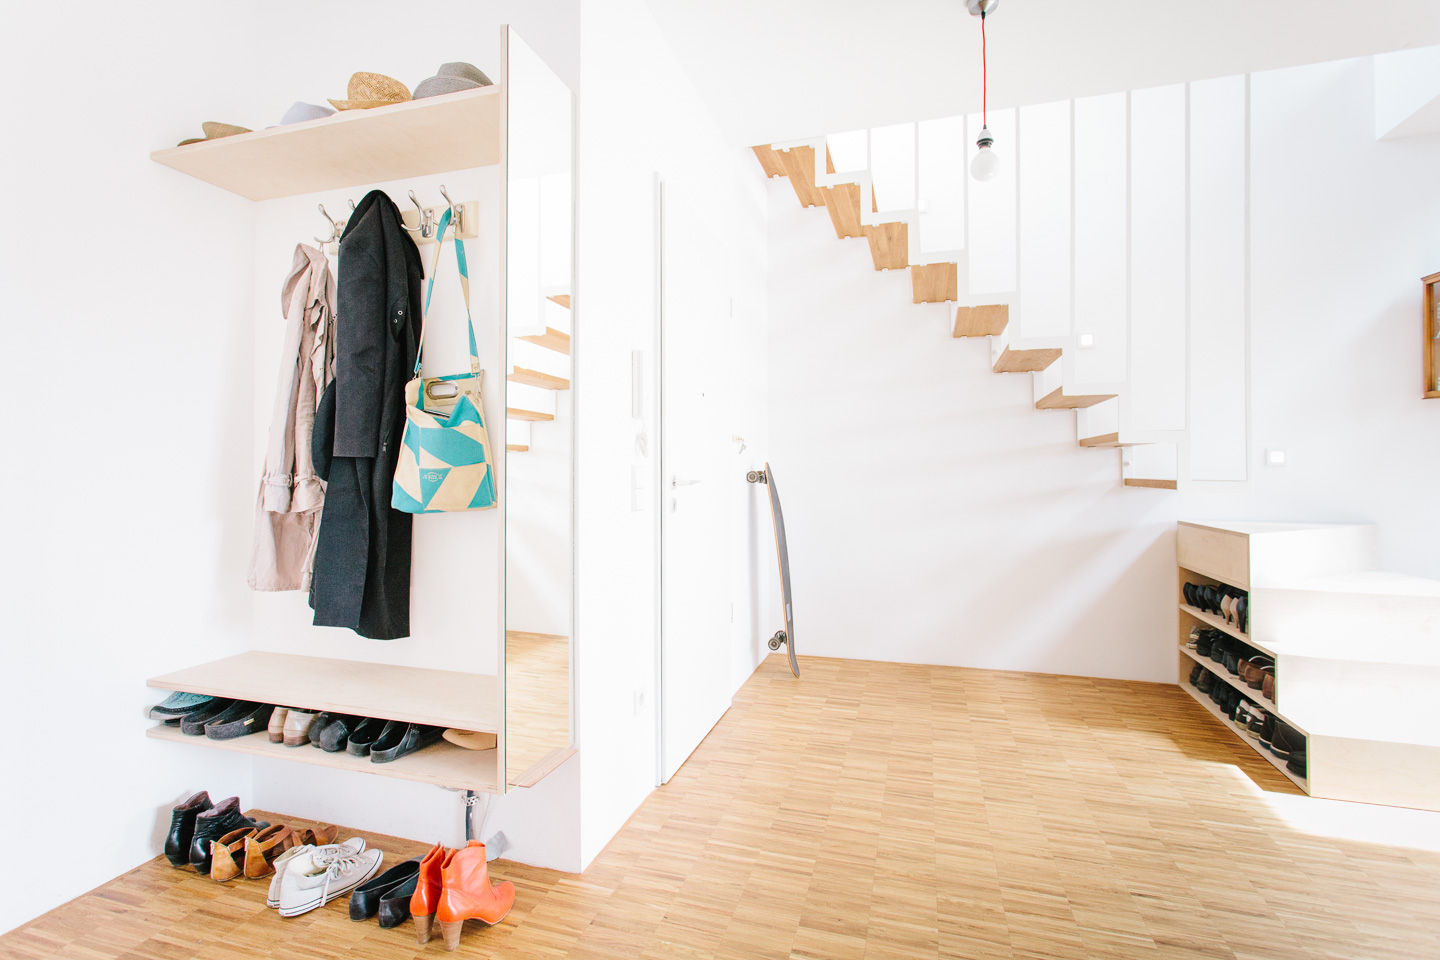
{"x": 457, "y": 131}
{"x": 1211, "y": 620}
{"x": 443, "y": 698}
{"x": 1236, "y": 729}
{"x": 1255, "y": 696}
{"x": 441, "y": 764}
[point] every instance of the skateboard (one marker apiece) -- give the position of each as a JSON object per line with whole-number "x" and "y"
{"x": 785, "y": 637}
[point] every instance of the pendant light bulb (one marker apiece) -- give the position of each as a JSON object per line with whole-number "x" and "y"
{"x": 985, "y": 164}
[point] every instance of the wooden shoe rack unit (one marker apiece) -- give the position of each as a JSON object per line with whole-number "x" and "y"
{"x": 1356, "y": 649}
{"x": 1214, "y": 555}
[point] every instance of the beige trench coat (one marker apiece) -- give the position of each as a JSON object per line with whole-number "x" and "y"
{"x": 287, "y": 508}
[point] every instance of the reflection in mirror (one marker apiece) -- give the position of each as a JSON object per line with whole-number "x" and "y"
{"x": 538, "y": 437}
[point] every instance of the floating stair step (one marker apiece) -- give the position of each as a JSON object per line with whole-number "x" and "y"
{"x": 1026, "y": 361}
{"x": 1058, "y": 400}
{"x": 889, "y": 245}
{"x": 800, "y": 168}
{"x": 561, "y": 298}
{"x": 1109, "y": 440}
{"x": 535, "y": 378}
{"x": 517, "y": 447}
{"x": 986, "y": 320}
{"x": 934, "y": 282}
{"x": 843, "y": 202}
{"x": 1145, "y": 482}
{"x": 530, "y": 416}
{"x": 769, "y": 161}
{"x": 551, "y": 339}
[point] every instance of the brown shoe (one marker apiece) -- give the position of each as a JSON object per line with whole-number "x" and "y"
{"x": 322, "y": 835}
{"x": 276, "y": 727}
{"x": 262, "y": 849}
{"x": 1267, "y": 683}
{"x": 226, "y": 853}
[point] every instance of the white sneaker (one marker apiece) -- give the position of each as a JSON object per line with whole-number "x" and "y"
{"x": 329, "y": 851}
{"x": 311, "y": 881}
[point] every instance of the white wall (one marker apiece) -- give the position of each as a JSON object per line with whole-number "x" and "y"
{"x": 936, "y": 517}
{"x": 639, "y": 116}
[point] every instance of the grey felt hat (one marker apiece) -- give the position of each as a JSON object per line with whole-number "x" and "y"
{"x": 452, "y": 78}
{"x": 300, "y": 111}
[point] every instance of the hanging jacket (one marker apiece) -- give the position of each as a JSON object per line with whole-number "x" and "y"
{"x": 287, "y": 508}
{"x": 362, "y": 558}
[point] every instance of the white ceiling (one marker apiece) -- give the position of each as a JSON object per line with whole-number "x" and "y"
{"x": 783, "y": 69}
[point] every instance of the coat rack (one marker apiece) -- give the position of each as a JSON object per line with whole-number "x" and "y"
{"x": 421, "y": 221}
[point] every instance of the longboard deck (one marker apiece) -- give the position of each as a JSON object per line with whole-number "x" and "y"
{"x": 782, "y": 553}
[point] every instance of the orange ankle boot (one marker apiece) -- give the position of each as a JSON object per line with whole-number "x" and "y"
{"x": 467, "y": 894}
{"x": 427, "y": 893}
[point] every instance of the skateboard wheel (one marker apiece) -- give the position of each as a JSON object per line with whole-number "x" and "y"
{"x": 753, "y": 476}
{"x": 774, "y": 643}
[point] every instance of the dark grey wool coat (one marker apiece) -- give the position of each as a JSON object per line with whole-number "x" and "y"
{"x": 362, "y": 557}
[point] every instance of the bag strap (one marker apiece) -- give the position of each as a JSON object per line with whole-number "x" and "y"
{"x": 440, "y": 229}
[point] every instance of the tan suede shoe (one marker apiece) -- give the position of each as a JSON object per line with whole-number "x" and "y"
{"x": 262, "y": 849}
{"x": 226, "y": 854}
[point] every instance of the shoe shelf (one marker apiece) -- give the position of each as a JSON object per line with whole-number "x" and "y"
{"x": 1249, "y": 693}
{"x": 442, "y": 698}
{"x": 441, "y": 764}
{"x": 456, "y": 131}
{"x": 1220, "y": 623}
{"x": 1239, "y": 731}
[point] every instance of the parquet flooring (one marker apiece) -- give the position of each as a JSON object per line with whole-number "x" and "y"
{"x": 881, "y": 810}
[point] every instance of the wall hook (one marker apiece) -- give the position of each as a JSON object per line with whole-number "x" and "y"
{"x": 457, "y": 212}
{"x": 426, "y": 228}
{"x": 334, "y": 225}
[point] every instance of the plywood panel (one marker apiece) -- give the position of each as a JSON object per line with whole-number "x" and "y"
{"x": 1215, "y": 553}
{"x": 1044, "y": 241}
{"x": 1218, "y": 321}
{"x": 535, "y": 378}
{"x": 1101, "y": 270}
{"x": 1057, "y": 399}
{"x": 551, "y": 339}
{"x": 1157, "y": 258}
{"x": 457, "y": 131}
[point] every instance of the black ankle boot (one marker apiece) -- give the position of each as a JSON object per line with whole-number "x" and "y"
{"x": 182, "y": 828}
{"x": 214, "y": 824}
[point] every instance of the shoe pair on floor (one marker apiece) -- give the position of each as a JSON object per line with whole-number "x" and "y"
{"x": 217, "y": 839}
{"x": 310, "y": 876}
{"x": 453, "y": 886}
{"x": 381, "y": 740}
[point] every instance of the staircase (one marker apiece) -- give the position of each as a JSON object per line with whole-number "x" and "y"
{"x": 939, "y": 278}
{"x": 539, "y": 367}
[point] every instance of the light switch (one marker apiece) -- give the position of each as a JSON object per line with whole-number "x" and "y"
{"x": 1274, "y": 457}
{"x": 1085, "y": 341}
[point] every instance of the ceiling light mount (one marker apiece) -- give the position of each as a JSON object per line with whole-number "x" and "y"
{"x": 982, "y": 8}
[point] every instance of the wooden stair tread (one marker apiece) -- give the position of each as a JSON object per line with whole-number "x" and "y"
{"x": 517, "y": 447}
{"x": 799, "y": 165}
{"x": 843, "y": 203}
{"x": 535, "y": 378}
{"x": 530, "y": 416}
{"x": 551, "y": 339}
{"x": 934, "y": 282}
{"x": 889, "y": 245}
{"x": 1026, "y": 361}
{"x": 769, "y": 161}
{"x": 986, "y": 320}
{"x": 1109, "y": 440}
{"x": 1057, "y": 399}
{"x": 1144, "y": 482}
{"x": 561, "y": 298}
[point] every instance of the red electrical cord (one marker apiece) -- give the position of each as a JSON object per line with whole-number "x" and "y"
{"x": 984, "y": 77}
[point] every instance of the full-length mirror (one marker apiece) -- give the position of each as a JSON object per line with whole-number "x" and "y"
{"x": 539, "y": 437}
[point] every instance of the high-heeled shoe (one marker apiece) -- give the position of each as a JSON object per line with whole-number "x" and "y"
{"x": 426, "y": 898}
{"x": 182, "y": 828}
{"x": 466, "y": 893}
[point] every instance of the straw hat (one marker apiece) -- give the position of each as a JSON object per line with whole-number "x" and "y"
{"x": 367, "y": 90}
{"x": 470, "y": 739}
{"x": 452, "y": 78}
{"x": 214, "y": 131}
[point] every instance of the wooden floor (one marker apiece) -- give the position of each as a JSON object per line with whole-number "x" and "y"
{"x": 537, "y": 694}
{"x": 876, "y": 810}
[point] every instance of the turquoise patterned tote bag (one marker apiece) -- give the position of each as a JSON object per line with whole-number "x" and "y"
{"x": 445, "y": 460}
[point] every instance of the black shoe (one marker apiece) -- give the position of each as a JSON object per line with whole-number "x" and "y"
{"x": 1295, "y": 765}
{"x": 1287, "y": 742}
{"x": 214, "y": 824}
{"x": 365, "y": 899}
{"x": 336, "y": 734}
{"x": 242, "y": 718}
{"x": 182, "y": 828}
{"x": 1204, "y": 642}
{"x": 1242, "y": 612}
{"x": 1207, "y": 681}
{"x": 364, "y": 736}
{"x": 1267, "y": 731}
{"x": 395, "y": 904}
{"x": 193, "y": 724}
{"x": 1189, "y": 591}
{"x": 1195, "y": 674}
{"x": 399, "y": 738}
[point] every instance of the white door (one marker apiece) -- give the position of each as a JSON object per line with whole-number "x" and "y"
{"x": 695, "y": 528}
